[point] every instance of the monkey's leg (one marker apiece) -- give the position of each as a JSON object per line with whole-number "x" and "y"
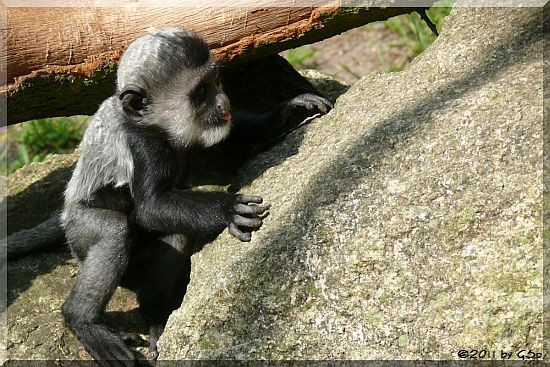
{"x": 103, "y": 235}
{"x": 163, "y": 289}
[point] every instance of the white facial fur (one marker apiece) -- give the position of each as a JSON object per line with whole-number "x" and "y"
{"x": 214, "y": 135}
{"x": 171, "y": 110}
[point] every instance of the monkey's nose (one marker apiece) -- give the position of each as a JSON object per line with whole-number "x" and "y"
{"x": 222, "y": 104}
{"x": 223, "y": 108}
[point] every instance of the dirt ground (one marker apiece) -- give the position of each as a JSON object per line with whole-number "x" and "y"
{"x": 357, "y": 52}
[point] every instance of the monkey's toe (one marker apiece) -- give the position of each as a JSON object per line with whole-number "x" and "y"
{"x": 154, "y": 354}
{"x": 155, "y": 332}
{"x": 131, "y": 338}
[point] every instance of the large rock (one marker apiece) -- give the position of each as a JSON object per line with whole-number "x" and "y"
{"x": 407, "y": 224}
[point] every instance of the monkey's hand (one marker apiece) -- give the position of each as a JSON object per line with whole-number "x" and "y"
{"x": 311, "y": 102}
{"x": 246, "y": 215}
{"x": 296, "y": 111}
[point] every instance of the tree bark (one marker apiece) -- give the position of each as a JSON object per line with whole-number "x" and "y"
{"x": 62, "y": 61}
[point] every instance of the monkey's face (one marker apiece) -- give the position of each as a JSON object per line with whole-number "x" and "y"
{"x": 193, "y": 109}
{"x": 211, "y": 108}
{"x": 169, "y": 79}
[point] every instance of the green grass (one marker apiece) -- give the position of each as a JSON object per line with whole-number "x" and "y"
{"x": 298, "y": 57}
{"x": 415, "y": 35}
{"x": 37, "y": 140}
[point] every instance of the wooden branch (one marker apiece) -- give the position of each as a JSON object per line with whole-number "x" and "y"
{"x": 62, "y": 61}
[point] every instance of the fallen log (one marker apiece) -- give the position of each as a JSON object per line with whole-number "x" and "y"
{"x": 62, "y": 61}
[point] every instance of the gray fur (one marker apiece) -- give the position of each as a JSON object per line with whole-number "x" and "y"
{"x": 102, "y": 266}
{"x": 152, "y": 61}
{"x": 104, "y": 156}
{"x": 170, "y": 106}
{"x": 164, "y": 64}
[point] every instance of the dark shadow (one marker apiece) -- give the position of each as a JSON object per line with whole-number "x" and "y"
{"x": 37, "y": 202}
{"x": 219, "y": 165}
{"x": 128, "y": 321}
{"x": 25, "y": 210}
{"x": 275, "y": 270}
{"x": 257, "y": 86}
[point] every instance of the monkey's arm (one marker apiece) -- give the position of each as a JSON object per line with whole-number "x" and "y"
{"x": 200, "y": 213}
{"x": 257, "y": 128}
{"x": 160, "y": 207}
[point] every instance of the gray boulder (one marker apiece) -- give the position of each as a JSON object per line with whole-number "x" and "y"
{"x": 407, "y": 224}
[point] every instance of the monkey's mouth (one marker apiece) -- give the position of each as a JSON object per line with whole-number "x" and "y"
{"x": 225, "y": 118}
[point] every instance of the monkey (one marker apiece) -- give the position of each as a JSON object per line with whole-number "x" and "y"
{"x": 126, "y": 216}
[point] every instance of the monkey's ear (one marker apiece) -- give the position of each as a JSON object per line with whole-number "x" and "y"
{"x": 134, "y": 100}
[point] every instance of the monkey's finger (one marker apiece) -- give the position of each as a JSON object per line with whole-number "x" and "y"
{"x": 323, "y": 104}
{"x": 302, "y": 100}
{"x": 245, "y": 199}
{"x": 236, "y": 232}
{"x": 253, "y": 223}
{"x": 326, "y": 106}
{"x": 261, "y": 209}
{"x": 311, "y": 101}
{"x": 243, "y": 209}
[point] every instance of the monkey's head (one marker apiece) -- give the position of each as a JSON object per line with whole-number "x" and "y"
{"x": 169, "y": 79}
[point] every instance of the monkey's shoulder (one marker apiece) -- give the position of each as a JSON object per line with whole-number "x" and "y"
{"x": 105, "y": 157}
{"x": 106, "y": 124}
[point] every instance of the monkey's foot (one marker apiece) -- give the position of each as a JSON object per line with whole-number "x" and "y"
{"x": 131, "y": 338}
{"x": 105, "y": 346}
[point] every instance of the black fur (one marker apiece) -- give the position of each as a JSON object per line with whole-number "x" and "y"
{"x": 159, "y": 206}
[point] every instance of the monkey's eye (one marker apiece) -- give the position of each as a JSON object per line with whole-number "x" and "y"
{"x": 200, "y": 92}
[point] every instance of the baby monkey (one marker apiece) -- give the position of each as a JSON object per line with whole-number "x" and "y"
{"x": 126, "y": 216}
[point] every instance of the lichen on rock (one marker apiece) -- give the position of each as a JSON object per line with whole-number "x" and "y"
{"x": 407, "y": 224}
